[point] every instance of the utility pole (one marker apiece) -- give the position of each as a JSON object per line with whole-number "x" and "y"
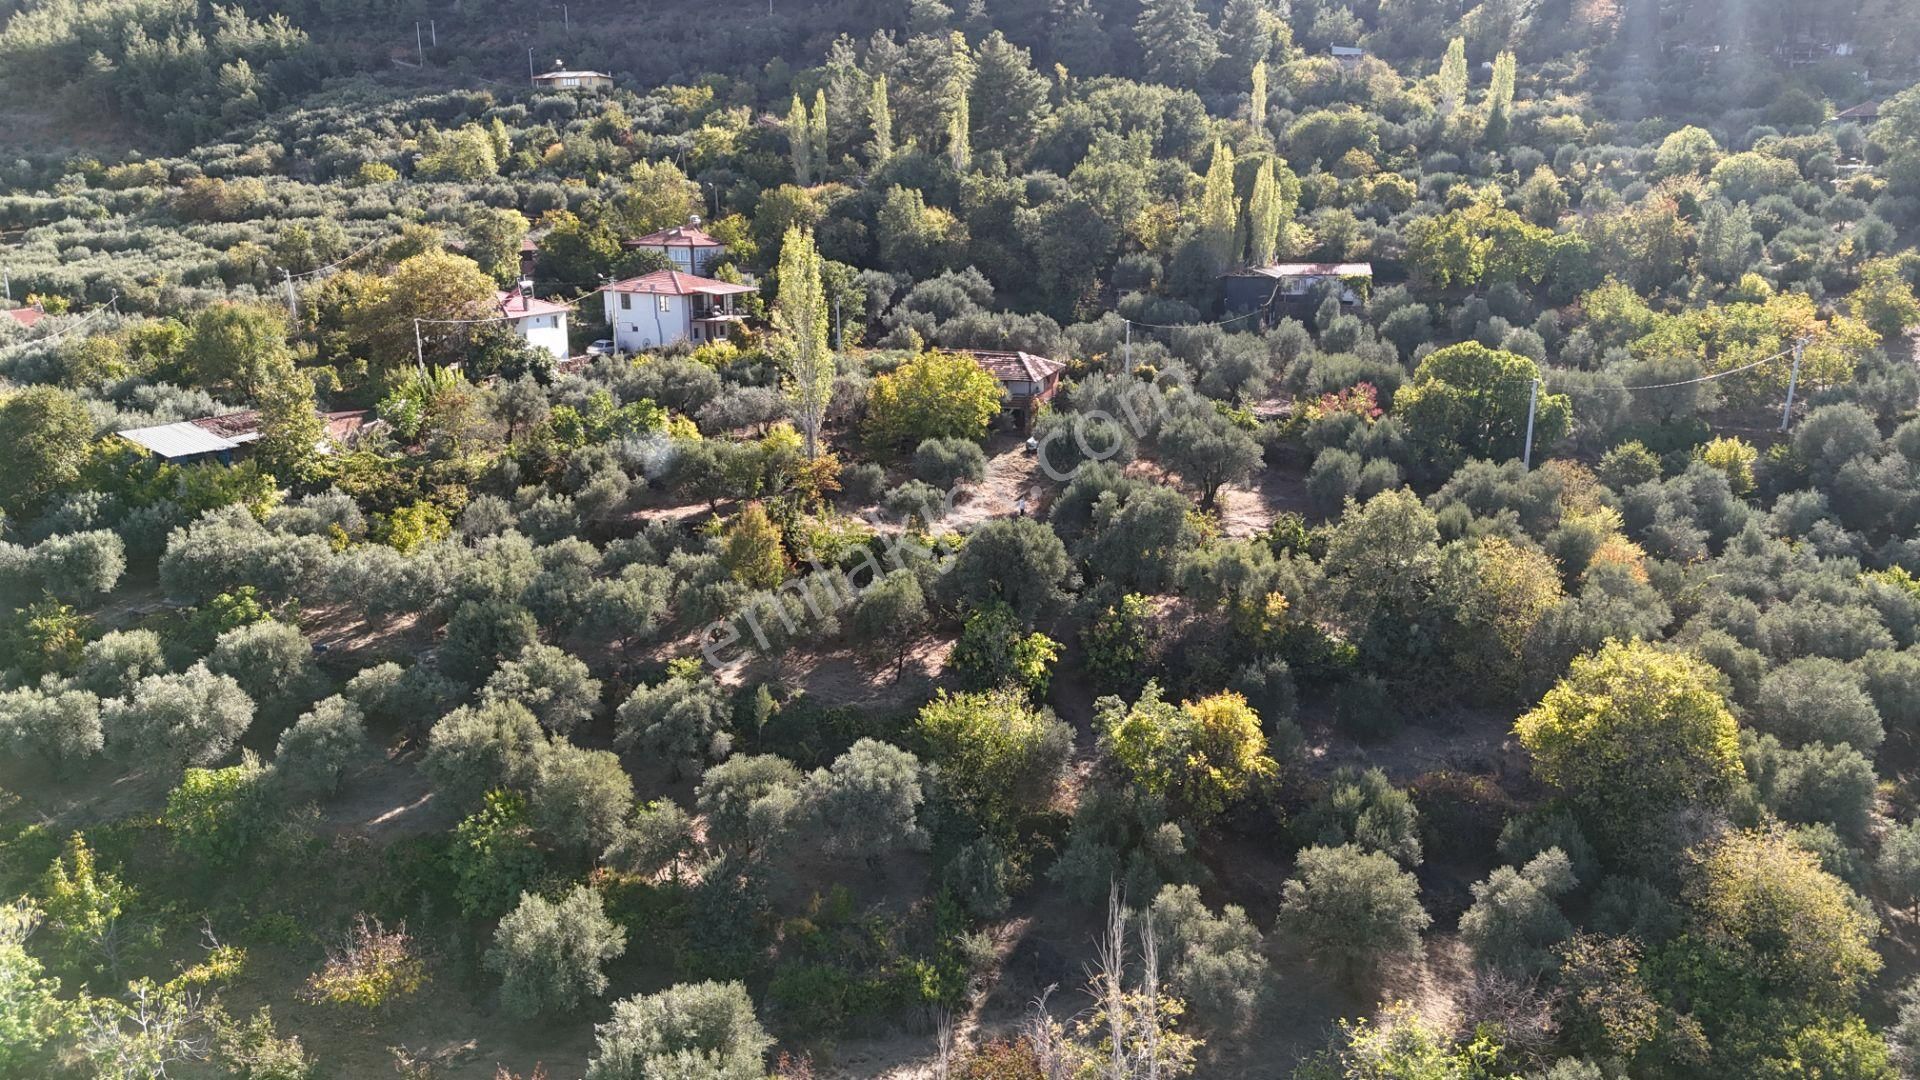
{"x": 1129, "y": 354}
{"x": 6, "y": 281}
{"x": 433, "y": 32}
{"x": 566, "y": 19}
{"x": 419, "y": 348}
{"x": 839, "y": 336}
{"x": 1533, "y": 402}
{"x": 1793, "y": 382}
{"x": 530, "y": 71}
{"x": 293, "y": 300}
{"x": 419, "y": 45}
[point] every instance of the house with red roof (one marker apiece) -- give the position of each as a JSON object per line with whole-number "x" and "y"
{"x": 1026, "y": 381}
{"x": 543, "y": 323}
{"x": 667, "y": 307}
{"x": 24, "y": 316}
{"x": 688, "y": 248}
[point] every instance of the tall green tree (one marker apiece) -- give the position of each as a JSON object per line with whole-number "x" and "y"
{"x": 800, "y": 142}
{"x": 800, "y": 315}
{"x": 1632, "y": 733}
{"x": 1268, "y": 211}
{"x": 1176, "y": 42}
{"x": 960, "y": 125}
{"x": 1500, "y": 99}
{"x": 1469, "y": 401}
{"x": 47, "y": 435}
{"x": 817, "y": 132}
{"x": 1009, "y": 97}
{"x": 1257, "y": 96}
{"x": 1251, "y": 34}
{"x": 1219, "y": 216}
{"x": 1450, "y": 86}
{"x": 880, "y": 118}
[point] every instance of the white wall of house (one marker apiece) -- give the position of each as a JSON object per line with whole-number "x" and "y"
{"x": 547, "y": 332}
{"x": 644, "y": 321}
{"x": 696, "y": 261}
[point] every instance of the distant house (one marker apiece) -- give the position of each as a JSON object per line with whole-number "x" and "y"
{"x": 562, "y": 79}
{"x": 225, "y": 437}
{"x": 1291, "y": 285}
{"x": 25, "y": 316}
{"x": 543, "y": 323}
{"x": 1347, "y": 54}
{"x": 1864, "y": 113}
{"x": 1026, "y": 381}
{"x": 667, "y": 307}
{"x": 689, "y": 248}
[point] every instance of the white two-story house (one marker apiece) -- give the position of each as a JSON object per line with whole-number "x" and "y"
{"x": 543, "y": 323}
{"x": 667, "y": 307}
{"x": 688, "y": 248}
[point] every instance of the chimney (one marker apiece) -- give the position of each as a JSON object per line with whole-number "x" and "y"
{"x": 693, "y": 221}
{"x": 526, "y": 288}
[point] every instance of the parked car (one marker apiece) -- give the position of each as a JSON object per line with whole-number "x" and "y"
{"x": 603, "y": 347}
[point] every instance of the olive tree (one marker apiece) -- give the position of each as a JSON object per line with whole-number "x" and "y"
{"x": 682, "y": 719}
{"x": 1214, "y": 962}
{"x": 1017, "y": 561}
{"x": 1353, "y": 908}
{"x": 1365, "y": 809}
{"x": 477, "y": 748}
{"x": 481, "y": 632}
{"x": 114, "y": 663}
{"x": 549, "y": 953}
{"x": 1515, "y": 919}
{"x": 61, "y": 726}
{"x": 693, "y": 1031}
{"x": 272, "y": 662}
{"x": 748, "y": 801}
{"x": 867, "y": 802}
{"x": 1818, "y": 699}
{"x": 78, "y": 567}
{"x": 577, "y": 798}
{"x": 320, "y": 747}
{"x": 556, "y": 687}
{"x": 174, "y": 721}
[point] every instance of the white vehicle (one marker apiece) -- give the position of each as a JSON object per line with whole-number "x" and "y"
{"x": 603, "y": 347}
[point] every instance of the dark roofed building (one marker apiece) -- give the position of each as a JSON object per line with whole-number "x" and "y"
{"x": 1026, "y": 381}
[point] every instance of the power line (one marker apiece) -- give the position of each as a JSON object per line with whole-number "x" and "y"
{"x": 111, "y": 305}
{"x": 1715, "y": 375}
{"x": 341, "y": 261}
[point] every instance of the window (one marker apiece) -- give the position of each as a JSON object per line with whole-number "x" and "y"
{"x": 666, "y": 303}
{"x": 626, "y": 301}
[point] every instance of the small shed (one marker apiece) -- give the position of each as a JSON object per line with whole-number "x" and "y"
{"x": 183, "y": 443}
{"x": 1864, "y": 113}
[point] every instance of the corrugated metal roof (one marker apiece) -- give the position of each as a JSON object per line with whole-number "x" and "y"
{"x": 178, "y": 440}
{"x": 1280, "y": 270}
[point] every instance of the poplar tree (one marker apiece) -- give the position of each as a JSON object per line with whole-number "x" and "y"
{"x": 1257, "y": 100}
{"x": 817, "y": 132}
{"x": 800, "y": 142}
{"x": 1219, "y": 208}
{"x": 880, "y": 115}
{"x": 800, "y": 313}
{"x": 960, "y": 116}
{"x": 1450, "y": 87}
{"x": 1500, "y": 98}
{"x": 1267, "y": 212}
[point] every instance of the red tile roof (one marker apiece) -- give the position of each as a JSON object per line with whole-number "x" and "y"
{"x": 675, "y": 283}
{"x": 26, "y": 316}
{"x": 678, "y": 236}
{"x": 1011, "y": 366}
{"x": 515, "y": 306}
